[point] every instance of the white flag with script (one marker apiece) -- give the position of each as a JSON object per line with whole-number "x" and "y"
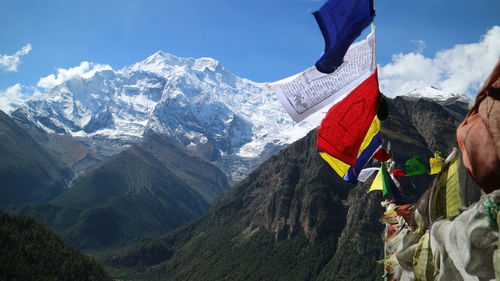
{"x": 307, "y": 92}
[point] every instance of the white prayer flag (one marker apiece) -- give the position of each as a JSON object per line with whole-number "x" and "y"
{"x": 366, "y": 173}
{"x": 307, "y": 92}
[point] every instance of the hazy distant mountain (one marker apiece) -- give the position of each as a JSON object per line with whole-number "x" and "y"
{"x": 197, "y": 103}
{"x": 146, "y": 190}
{"x": 28, "y": 173}
{"x": 293, "y": 218}
{"x": 32, "y": 252}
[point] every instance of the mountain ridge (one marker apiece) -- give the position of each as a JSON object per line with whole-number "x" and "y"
{"x": 146, "y": 190}
{"x": 28, "y": 172}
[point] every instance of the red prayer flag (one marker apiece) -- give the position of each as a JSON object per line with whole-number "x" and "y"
{"x": 381, "y": 155}
{"x": 406, "y": 211}
{"x": 398, "y": 173}
{"x": 346, "y": 124}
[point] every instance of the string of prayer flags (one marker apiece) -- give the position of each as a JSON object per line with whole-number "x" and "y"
{"x": 345, "y": 126}
{"x": 341, "y": 22}
{"x": 415, "y": 166}
{"x": 307, "y": 92}
{"x": 436, "y": 163}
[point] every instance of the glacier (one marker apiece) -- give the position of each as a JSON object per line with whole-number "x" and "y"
{"x": 231, "y": 121}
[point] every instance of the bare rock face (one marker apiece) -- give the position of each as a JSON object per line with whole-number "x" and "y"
{"x": 431, "y": 121}
{"x": 295, "y": 192}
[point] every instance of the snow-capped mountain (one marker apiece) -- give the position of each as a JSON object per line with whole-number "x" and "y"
{"x": 435, "y": 94}
{"x": 229, "y": 120}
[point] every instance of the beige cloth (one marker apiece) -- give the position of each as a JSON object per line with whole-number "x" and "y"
{"x": 463, "y": 248}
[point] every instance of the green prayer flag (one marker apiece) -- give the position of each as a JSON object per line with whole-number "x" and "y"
{"x": 415, "y": 166}
{"x": 386, "y": 184}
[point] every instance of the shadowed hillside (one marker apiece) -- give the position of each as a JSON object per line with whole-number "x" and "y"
{"x": 30, "y": 251}
{"x": 144, "y": 191}
{"x": 28, "y": 173}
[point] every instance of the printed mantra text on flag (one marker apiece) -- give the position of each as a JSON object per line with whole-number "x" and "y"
{"x": 344, "y": 127}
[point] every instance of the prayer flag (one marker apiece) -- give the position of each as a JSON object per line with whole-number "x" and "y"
{"x": 384, "y": 182}
{"x": 307, "y": 92}
{"x": 395, "y": 174}
{"x": 370, "y": 144}
{"x": 366, "y": 173}
{"x": 447, "y": 197}
{"x": 423, "y": 266}
{"x": 453, "y": 195}
{"x": 365, "y": 155}
{"x": 398, "y": 173}
{"x": 377, "y": 183}
{"x": 381, "y": 155}
{"x": 345, "y": 126}
{"x": 436, "y": 163}
{"x": 414, "y": 166}
{"x": 341, "y": 22}
{"x": 338, "y": 166}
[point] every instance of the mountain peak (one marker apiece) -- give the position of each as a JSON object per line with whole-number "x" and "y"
{"x": 158, "y": 63}
{"x": 436, "y": 94}
{"x": 164, "y": 57}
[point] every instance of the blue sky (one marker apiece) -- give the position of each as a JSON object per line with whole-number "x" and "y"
{"x": 260, "y": 40}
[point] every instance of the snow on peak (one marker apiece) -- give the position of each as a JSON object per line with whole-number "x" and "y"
{"x": 162, "y": 63}
{"x": 207, "y": 63}
{"x": 194, "y": 101}
{"x": 158, "y": 63}
{"x": 436, "y": 94}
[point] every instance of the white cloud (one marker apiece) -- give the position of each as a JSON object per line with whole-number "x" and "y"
{"x": 461, "y": 69}
{"x": 85, "y": 70}
{"x": 10, "y": 63}
{"x": 12, "y": 97}
{"x": 419, "y": 44}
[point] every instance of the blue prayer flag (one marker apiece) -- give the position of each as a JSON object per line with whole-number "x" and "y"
{"x": 341, "y": 22}
{"x": 363, "y": 158}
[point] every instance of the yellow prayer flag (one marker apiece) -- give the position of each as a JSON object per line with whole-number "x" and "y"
{"x": 423, "y": 265}
{"x": 377, "y": 183}
{"x": 447, "y": 198}
{"x": 372, "y": 131}
{"x": 436, "y": 163}
{"x": 338, "y": 166}
{"x": 453, "y": 194}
